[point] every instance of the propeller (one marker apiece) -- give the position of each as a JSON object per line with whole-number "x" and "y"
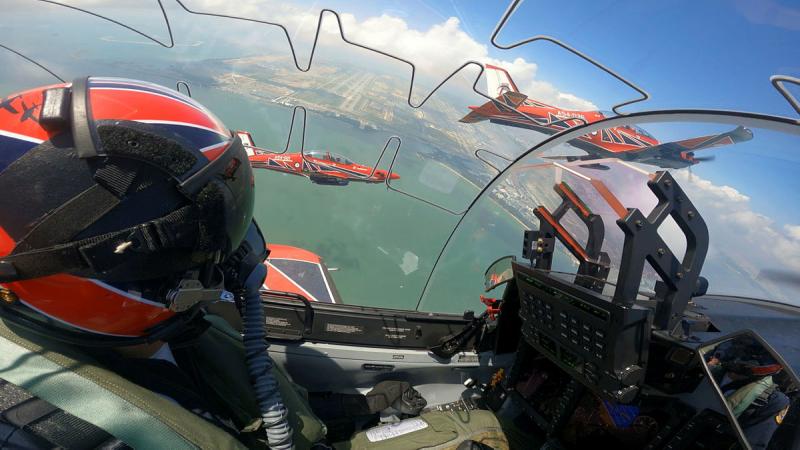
{"x": 698, "y": 159}
{"x": 781, "y": 276}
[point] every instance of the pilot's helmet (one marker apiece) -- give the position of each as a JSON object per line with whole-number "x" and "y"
{"x": 746, "y": 356}
{"x": 117, "y": 197}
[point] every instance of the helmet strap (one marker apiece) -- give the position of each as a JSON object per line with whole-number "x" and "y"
{"x": 191, "y": 291}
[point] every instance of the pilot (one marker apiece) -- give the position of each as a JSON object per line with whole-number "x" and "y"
{"x": 745, "y": 374}
{"x": 125, "y": 210}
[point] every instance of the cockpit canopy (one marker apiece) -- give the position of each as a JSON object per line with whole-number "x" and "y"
{"x": 329, "y": 156}
{"x": 639, "y": 130}
{"x": 635, "y": 128}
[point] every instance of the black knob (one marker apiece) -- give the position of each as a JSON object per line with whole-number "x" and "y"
{"x": 632, "y": 374}
{"x": 626, "y": 394}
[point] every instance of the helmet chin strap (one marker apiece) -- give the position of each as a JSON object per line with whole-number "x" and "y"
{"x": 191, "y": 290}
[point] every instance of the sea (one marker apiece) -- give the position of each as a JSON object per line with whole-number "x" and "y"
{"x": 381, "y": 244}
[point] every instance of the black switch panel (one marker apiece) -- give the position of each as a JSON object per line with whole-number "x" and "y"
{"x": 601, "y": 344}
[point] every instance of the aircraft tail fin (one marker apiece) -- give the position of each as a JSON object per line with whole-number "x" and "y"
{"x": 498, "y": 81}
{"x": 247, "y": 142}
{"x": 501, "y": 86}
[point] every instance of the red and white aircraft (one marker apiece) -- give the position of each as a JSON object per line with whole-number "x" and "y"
{"x": 629, "y": 142}
{"x": 319, "y": 167}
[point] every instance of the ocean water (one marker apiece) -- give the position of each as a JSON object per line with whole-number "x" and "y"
{"x": 382, "y": 244}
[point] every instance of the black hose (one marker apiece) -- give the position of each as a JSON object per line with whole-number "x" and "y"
{"x": 259, "y": 364}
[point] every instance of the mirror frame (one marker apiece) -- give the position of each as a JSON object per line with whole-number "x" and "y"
{"x": 513, "y": 259}
{"x": 731, "y": 418}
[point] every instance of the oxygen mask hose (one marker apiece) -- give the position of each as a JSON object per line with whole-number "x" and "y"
{"x": 259, "y": 364}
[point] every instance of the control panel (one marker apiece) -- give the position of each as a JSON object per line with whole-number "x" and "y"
{"x": 600, "y": 343}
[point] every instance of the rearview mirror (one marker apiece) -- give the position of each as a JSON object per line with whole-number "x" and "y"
{"x": 499, "y": 272}
{"x": 758, "y": 389}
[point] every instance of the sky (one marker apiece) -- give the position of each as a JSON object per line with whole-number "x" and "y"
{"x": 714, "y": 54}
{"x": 687, "y": 54}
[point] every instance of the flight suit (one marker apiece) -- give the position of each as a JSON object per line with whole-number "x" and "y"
{"x": 74, "y": 381}
{"x": 758, "y": 407}
{"x": 760, "y": 425}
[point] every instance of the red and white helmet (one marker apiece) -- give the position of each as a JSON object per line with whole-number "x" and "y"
{"x": 117, "y": 198}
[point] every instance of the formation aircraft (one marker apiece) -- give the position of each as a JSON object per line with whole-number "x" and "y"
{"x": 319, "y": 167}
{"x": 628, "y": 142}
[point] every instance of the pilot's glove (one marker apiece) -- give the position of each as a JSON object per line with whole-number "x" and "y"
{"x": 398, "y": 395}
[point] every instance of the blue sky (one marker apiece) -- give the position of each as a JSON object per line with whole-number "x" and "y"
{"x": 714, "y": 54}
{"x": 686, "y": 54}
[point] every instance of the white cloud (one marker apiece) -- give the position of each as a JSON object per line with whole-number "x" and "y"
{"x": 723, "y": 192}
{"x": 743, "y": 240}
{"x": 793, "y": 231}
{"x": 769, "y": 12}
{"x": 436, "y": 51}
{"x": 739, "y": 231}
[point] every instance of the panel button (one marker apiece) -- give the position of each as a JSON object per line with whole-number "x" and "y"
{"x": 599, "y": 346}
{"x": 600, "y": 334}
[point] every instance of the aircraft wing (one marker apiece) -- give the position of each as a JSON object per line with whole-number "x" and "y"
{"x": 675, "y": 154}
{"x": 296, "y": 270}
{"x": 684, "y": 147}
{"x": 473, "y": 117}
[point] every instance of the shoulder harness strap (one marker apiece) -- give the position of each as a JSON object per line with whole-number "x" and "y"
{"x": 33, "y": 420}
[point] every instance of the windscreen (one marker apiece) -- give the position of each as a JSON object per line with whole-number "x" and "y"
{"x": 742, "y": 188}
{"x": 452, "y": 99}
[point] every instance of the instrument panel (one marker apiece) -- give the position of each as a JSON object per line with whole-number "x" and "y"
{"x": 600, "y": 343}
